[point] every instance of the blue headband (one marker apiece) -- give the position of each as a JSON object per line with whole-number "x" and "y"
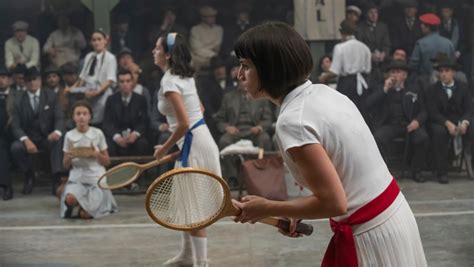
{"x": 170, "y": 41}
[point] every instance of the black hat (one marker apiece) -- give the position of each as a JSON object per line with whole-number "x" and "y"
{"x": 217, "y": 62}
{"x": 124, "y": 51}
{"x": 442, "y": 60}
{"x": 20, "y": 69}
{"x": 4, "y": 71}
{"x": 69, "y": 68}
{"x": 347, "y": 27}
{"x": 32, "y": 73}
{"x": 398, "y": 64}
{"x": 51, "y": 69}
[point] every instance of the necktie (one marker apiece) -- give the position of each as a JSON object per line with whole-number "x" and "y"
{"x": 21, "y": 48}
{"x": 92, "y": 68}
{"x": 449, "y": 91}
{"x": 35, "y": 103}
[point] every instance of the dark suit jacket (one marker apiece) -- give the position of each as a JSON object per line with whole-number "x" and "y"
{"x": 116, "y": 121}
{"x": 458, "y": 108}
{"x": 377, "y": 39}
{"x": 403, "y": 37}
{"x": 413, "y": 104}
{"x": 228, "y": 113}
{"x": 50, "y": 114}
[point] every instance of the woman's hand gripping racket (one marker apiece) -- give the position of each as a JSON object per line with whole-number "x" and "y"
{"x": 188, "y": 199}
{"x": 126, "y": 173}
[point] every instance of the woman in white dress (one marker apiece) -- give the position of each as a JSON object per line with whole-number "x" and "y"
{"x": 330, "y": 150}
{"x": 179, "y": 102}
{"x": 81, "y": 189}
{"x": 98, "y": 76}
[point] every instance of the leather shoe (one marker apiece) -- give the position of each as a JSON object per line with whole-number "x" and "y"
{"x": 418, "y": 177}
{"x": 28, "y": 187}
{"x": 8, "y": 192}
{"x": 443, "y": 179}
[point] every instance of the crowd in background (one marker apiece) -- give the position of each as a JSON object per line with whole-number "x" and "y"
{"x": 45, "y": 71}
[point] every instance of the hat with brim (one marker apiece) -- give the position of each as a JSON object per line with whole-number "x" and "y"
{"x": 32, "y": 73}
{"x": 123, "y": 52}
{"x": 20, "y": 25}
{"x": 354, "y": 9}
{"x": 399, "y": 65}
{"x": 52, "y": 69}
{"x": 207, "y": 11}
{"x": 442, "y": 60}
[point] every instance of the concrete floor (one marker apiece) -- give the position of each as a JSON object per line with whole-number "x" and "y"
{"x": 32, "y": 234}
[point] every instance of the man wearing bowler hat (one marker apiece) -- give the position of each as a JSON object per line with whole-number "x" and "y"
{"x": 430, "y": 45}
{"x": 450, "y": 113}
{"x": 37, "y": 125}
{"x": 400, "y": 112}
{"x": 22, "y": 48}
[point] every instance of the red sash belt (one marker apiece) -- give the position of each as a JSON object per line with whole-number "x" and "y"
{"x": 341, "y": 251}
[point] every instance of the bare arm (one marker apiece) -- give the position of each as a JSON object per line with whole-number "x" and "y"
{"x": 177, "y": 103}
{"x": 103, "y": 158}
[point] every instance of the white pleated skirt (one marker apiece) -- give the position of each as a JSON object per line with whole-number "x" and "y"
{"x": 390, "y": 239}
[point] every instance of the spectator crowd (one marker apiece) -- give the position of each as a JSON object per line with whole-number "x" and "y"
{"x": 405, "y": 77}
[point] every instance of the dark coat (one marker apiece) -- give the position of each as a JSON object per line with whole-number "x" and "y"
{"x": 51, "y": 115}
{"x": 404, "y": 37}
{"x": 413, "y": 104}
{"x": 456, "y": 109}
{"x": 377, "y": 39}
{"x": 118, "y": 118}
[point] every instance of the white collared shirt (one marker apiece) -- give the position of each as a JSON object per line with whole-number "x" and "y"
{"x": 105, "y": 69}
{"x": 318, "y": 114}
{"x": 29, "y": 54}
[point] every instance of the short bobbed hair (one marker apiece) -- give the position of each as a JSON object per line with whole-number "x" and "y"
{"x": 281, "y": 56}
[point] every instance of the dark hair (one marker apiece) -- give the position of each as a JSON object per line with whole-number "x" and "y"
{"x": 281, "y": 56}
{"x": 180, "y": 56}
{"x": 321, "y": 62}
{"x": 122, "y": 72}
{"x": 101, "y": 32}
{"x": 81, "y": 103}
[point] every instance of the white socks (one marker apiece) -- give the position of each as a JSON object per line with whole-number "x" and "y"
{"x": 186, "y": 246}
{"x": 199, "y": 250}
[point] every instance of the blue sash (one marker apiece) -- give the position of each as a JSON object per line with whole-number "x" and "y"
{"x": 188, "y": 140}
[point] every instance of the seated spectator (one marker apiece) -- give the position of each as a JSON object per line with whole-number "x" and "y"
{"x": 450, "y": 114}
{"x": 54, "y": 83}
{"x": 98, "y": 75}
{"x": 37, "y": 125}
{"x": 22, "y": 48}
{"x": 459, "y": 75}
{"x": 406, "y": 30}
{"x": 64, "y": 44}
{"x": 240, "y": 24}
{"x": 81, "y": 189}
{"x": 18, "y": 76}
{"x": 6, "y": 101}
{"x": 450, "y": 27}
{"x": 211, "y": 89}
{"x": 126, "y": 62}
{"x": 125, "y": 120}
{"x": 353, "y": 14}
{"x": 399, "y": 54}
{"x": 169, "y": 24}
{"x": 324, "y": 67}
{"x": 400, "y": 111}
{"x": 122, "y": 37}
{"x": 70, "y": 73}
{"x": 375, "y": 35}
{"x": 205, "y": 38}
{"x": 233, "y": 67}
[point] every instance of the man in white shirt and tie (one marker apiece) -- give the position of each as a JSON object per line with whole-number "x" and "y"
{"x": 37, "y": 126}
{"x": 22, "y": 48}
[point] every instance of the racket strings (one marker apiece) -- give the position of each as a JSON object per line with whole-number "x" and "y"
{"x": 187, "y": 199}
{"x": 119, "y": 176}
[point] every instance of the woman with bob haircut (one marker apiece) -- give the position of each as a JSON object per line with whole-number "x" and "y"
{"x": 179, "y": 102}
{"x": 330, "y": 150}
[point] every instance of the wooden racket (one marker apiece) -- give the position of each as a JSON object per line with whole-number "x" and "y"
{"x": 126, "y": 173}
{"x": 189, "y": 198}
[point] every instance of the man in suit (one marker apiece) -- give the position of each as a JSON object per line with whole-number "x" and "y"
{"x": 6, "y": 97}
{"x": 54, "y": 83}
{"x": 400, "y": 112}
{"x": 406, "y": 31}
{"x": 18, "y": 75}
{"x": 37, "y": 125}
{"x": 450, "y": 112}
{"x": 125, "y": 119}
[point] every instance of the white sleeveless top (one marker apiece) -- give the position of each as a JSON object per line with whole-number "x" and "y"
{"x": 318, "y": 114}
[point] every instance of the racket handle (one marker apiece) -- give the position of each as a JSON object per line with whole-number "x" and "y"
{"x": 302, "y": 228}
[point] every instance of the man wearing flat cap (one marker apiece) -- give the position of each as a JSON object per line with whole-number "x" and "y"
{"x": 205, "y": 38}
{"x": 450, "y": 113}
{"x": 430, "y": 45}
{"x": 6, "y": 101}
{"x": 22, "y": 48}
{"x": 400, "y": 111}
{"x": 353, "y": 14}
{"x": 54, "y": 83}
{"x": 37, "y": 125}
{"x": 407, "y": 29}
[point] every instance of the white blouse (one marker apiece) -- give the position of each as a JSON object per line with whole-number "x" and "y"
{"x": 318, "y": 114}
{"x": 105, "y": 69}
{"x": 187, "y": 89}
